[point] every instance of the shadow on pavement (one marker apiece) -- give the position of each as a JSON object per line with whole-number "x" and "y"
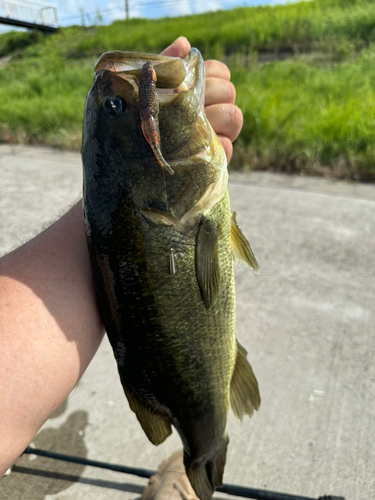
{"x": 131, "y": 488}
{"x": 42, "y": 476}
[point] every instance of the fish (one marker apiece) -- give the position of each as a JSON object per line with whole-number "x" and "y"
{"x": 162, "y": 240}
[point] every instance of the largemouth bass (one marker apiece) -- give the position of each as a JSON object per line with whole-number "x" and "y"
{"x": 162, "y": 239}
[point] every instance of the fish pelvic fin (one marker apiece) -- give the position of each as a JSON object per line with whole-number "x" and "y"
{"x": 207, "y": 261}
{"x": 241, "y": 249}
{"x": 205, "y": 477}
{"x": 156, "y": 428}
{"x": 244, "y": 391}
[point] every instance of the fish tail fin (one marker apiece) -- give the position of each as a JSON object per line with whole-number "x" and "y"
{"x": 244, "y": 391}
{"x": 205, "y": 477}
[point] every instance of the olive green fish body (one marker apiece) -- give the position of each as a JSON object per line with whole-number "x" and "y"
{"x": 167, "y": 343}
{"x": 161, "y": 252}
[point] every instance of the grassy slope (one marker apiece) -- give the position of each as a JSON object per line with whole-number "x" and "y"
{"x": 315, "y": 119}
{"x": 313, "y": 112}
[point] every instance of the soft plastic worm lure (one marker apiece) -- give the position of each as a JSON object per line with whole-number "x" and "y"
{"x": 149, "y": 109}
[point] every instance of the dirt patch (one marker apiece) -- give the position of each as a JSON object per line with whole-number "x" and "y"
{"x": 4, "y": 61}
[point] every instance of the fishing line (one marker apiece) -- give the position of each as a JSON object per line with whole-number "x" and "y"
{"x": 165, "y": 191}
{"x": 172, "y": 264}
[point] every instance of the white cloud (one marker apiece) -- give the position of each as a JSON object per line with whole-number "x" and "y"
{"x": 114, "y": 10}
{"x": 207, "y": 6}
{"x": 162, "y": 9}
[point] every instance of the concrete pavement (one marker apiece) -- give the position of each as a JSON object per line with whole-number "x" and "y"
{"x": 307, "y": 322}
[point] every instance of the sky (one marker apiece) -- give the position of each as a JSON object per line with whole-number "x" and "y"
{"x": 79, "y": 11}
{"x": 70, "y": 11}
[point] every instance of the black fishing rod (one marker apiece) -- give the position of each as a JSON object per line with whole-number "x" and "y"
{"x": 229, "y": 489}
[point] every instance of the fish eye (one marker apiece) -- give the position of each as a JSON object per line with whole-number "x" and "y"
{"x": 114, "y": 106}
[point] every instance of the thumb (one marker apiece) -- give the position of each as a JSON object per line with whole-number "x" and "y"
{"x": 179, "y": 48}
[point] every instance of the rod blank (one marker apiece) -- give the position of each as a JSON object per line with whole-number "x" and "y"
{"x": 230, "y": 489}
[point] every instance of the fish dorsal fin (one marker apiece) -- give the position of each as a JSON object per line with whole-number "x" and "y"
{"x": 241, "y": 249}
{"x": 207, "y": 260}
{"x": 156, "y": 428}
{"x": 244, "y": 392}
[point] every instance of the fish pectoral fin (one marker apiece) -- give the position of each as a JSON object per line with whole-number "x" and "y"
{"x": 241, "y": 248}
{"x": 156, "y": 428}
{"x": 207, "y": 260}
{"x": 244, "y": 391}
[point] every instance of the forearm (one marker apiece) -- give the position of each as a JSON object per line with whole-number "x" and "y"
{"x": 50, "y": 329}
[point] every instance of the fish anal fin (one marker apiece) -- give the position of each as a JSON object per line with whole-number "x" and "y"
{"x": 207, "y": 476}
{"x": 156, "y": 428}
{"x": 242, "y": 252}
{"x": 207, "y": 260}
{"x": 244, "y": 391}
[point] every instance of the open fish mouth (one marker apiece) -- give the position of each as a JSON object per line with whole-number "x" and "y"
{"x": 158, "y": 80}
{"x": 173, "y": 75}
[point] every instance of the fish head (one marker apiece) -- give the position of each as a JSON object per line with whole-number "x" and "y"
{"x": 145, "y": 113}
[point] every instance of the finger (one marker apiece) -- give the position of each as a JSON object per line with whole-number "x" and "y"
{"x": 227, "y": 145}
{"x": 219, "y": 91}
{"x": 216, "y": 69}
{"x": 179, "y": 48}
{"x": 226, "y": 119}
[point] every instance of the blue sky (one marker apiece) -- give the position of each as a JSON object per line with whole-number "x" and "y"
{"x": 70, "y": 11}
{"x": 73, "y": 11}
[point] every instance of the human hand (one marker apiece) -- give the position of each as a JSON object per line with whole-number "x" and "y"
{"x": 170, "y": 481}
{"x": 224, "y": 116}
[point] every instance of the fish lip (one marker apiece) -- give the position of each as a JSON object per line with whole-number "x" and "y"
{"x": 126, "y": 64}
{"x": 117, "y": 60}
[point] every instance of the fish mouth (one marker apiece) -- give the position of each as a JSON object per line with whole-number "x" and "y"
{"x": 174, "y": 75}
{"x": 157, "y": 80}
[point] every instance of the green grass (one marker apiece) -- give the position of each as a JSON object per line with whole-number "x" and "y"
{"x": 312, "y": 113}
{"x": 299, "y": 117}
{"x": 306, "y": 25}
